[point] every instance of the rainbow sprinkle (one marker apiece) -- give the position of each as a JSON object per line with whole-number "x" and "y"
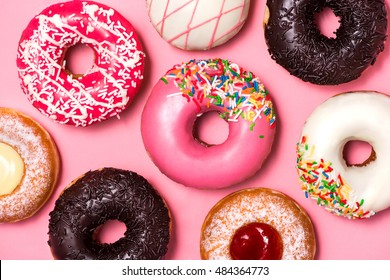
{"x": 321, "y": 182}
{"x": 221, "y": 83}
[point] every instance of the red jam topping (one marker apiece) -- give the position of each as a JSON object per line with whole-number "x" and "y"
{"x": 256, "y": 241}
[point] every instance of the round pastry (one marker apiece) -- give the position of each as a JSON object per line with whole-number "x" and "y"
{"x": 197, "y": 24}
{"x": 186, "y": 92}
{"x": 106, "y": 89}
{"x": 109, "y": 194}
{"x": 257, "y": 224}
{"x": 295, "y": 42}
{"x": 353, "y": 191}
{"x": 29, "y": 166}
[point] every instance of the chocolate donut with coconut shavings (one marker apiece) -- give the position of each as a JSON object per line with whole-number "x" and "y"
{"x": 109, "y": 194}
{"x": 295, "y": 42}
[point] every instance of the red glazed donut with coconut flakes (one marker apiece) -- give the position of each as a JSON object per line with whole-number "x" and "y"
{"x": 106, "y": 89}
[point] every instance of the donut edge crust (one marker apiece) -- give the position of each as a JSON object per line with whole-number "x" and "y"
{"x": 295, "y": 207}
{"x": 54, "y": 158}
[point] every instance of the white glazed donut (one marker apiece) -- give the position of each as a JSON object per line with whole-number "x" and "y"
{"x": 353, "y": 191}
{"x": 197, "y": 24}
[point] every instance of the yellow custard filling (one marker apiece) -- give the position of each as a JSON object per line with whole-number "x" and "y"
{"x": 11, "y": 169}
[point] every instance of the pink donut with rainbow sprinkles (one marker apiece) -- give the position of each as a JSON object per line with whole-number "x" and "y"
{"x": 186, "y": 92}
{"x": 197, "y": 24}
{"x": 108, "y": 86}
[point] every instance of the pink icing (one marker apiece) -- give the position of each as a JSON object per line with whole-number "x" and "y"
{"x": 106, "y": 89}
{"x": 167, "y": 130}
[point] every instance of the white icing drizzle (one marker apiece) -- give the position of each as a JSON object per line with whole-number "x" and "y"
{"x": 245, "y": 209}
{"x": 35, "y": 184}
{"x": 103, "y": 91}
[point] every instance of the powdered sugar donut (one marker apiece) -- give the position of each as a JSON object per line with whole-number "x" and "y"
{"x": 29, "y": 166}
{"x": 106, "y": 89}
{"x": 191, "y": 89}
{"x": 197, "y": 24}
{"x": 357, "y": 191}
{"x": 257, "y": 224}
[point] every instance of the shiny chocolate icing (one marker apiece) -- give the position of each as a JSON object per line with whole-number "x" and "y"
{"x": 295, "y": 42}
{"x": 103, "y": 195}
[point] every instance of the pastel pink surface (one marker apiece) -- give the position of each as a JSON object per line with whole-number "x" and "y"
{"x": 118, "y": 143}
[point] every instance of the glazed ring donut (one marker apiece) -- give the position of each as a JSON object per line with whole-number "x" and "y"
{"x": 257, "y": 224}
{"x": 200, "y": 24}
{"x": 106, "y": 89}
{"x": 29, "y": 166}
{"x": 349, "y": 191}
{"x": 295, "y": 42}
{"x": 109, "y": 194}
{"x": 187, "y": 91}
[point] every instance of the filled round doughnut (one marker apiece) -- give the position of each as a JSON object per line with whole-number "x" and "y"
{"x": 29, "y": 166}
{"x": 295, "y": 42}
{"x": 352, "y": 191}
{"x": 198, "y": 24}
{"x": 191, "y": 89}
{"x": 109, "y": 194}
{"x": 257, "y": 224}
{"x": 109, "y": 85}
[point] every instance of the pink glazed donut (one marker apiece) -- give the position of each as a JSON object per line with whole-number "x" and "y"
{"x": 106, "y": 89}
{"x": 191, "y": 89}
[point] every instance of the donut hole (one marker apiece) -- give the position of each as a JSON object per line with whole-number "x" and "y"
{"x": 358, "y": 153}
{"x": 210, "y": 129}
{"x": 79, "y": 59}
{"x": 110, "y": 232}
{"x": 327, "y": 22}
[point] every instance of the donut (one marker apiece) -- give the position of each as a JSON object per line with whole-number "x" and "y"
{"x": 197, "y": 24}
{"x": 109, "y": 194}
{"x": 295, "y": 42}
{"x": 257, "y": 224}
{"x": 109, "y": 85}
{"x": 191, "y": 89}
{"x": 352, "y": 191}
{"x": 29, "y": 166}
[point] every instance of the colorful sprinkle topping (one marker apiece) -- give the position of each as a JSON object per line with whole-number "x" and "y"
{"x": 323, "y": 184}
{"x": 221, "y": 83}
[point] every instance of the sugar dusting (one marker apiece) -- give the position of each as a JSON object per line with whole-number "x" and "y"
{"x": 36, "y": 182}
{"x": 260, "y": 207}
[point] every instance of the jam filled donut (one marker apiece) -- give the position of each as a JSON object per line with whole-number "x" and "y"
{"x": 187, "y": 91}
{"x": 347, "y": 190}
{"x": 109, "y": 194}
{"x": 106, "y": 89}
{"x": 29, "y": 166}
{"x": 197, "y": 24}
{"x": 257, "y": 224}
{"x": 295, "y": 42}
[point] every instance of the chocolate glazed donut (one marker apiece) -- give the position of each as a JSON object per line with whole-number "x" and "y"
{"x": 102, "y": 195}
{"x": 296, "y": 43}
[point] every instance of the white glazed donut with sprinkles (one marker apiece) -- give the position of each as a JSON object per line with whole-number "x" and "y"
{"x": 106, "y": 89}
{"x": 352, "y": 191}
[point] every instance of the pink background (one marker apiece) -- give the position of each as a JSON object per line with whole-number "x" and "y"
{"x": 118, "y": 143}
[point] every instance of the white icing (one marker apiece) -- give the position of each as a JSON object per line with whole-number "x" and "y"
{"x": 198, "y": 24}
{"x": 361, "y": 116}
{"x": 245, "y": 209}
